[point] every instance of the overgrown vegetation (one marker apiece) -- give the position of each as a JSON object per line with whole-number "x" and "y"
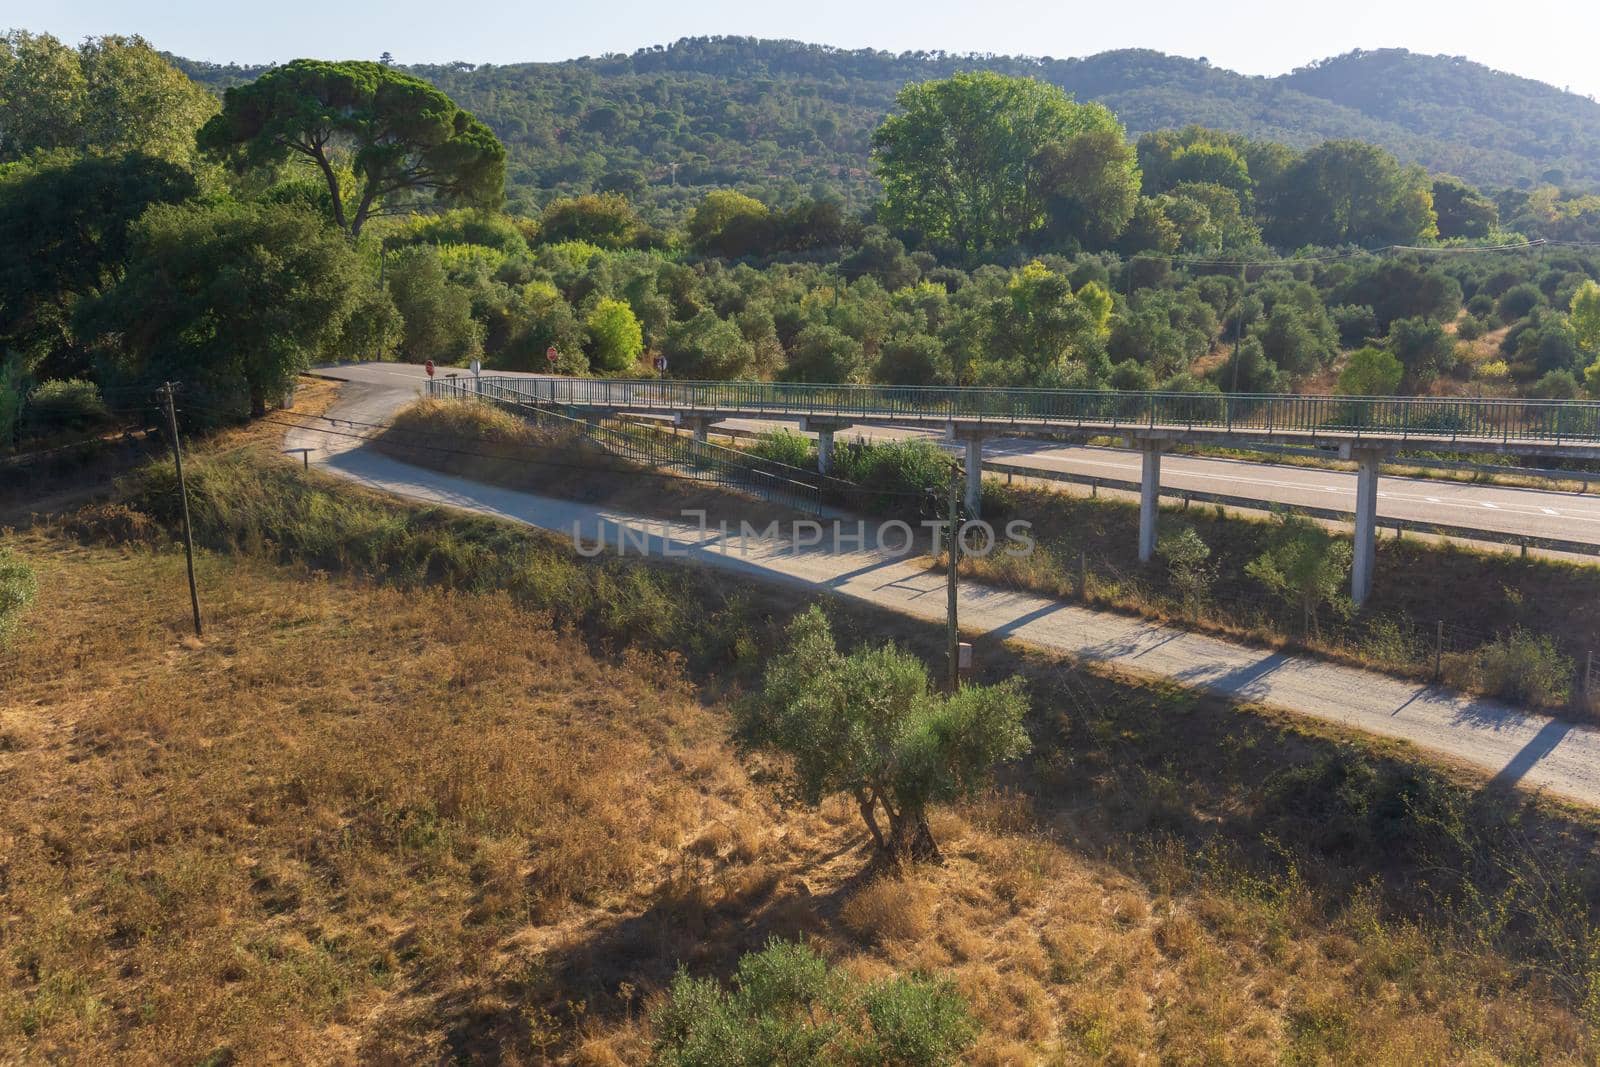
{"x": 787, "y": 1007}
{"x": 17, "y": 590}
{"x": 1155, "y": 840}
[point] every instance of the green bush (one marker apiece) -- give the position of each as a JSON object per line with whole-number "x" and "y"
{"x": 17, "y": 590}
{"x": 11, "y": 392}
{"x": 896, "y": 474}
{"x": 787, "y": 1007}
{"x": 69, "y": 405}
{"x": 786, "y": 446}
{"x": 1522, "y": 667}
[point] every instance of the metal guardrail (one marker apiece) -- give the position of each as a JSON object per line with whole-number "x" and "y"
{"x": 660, "y": 449}
{"x": 1491, "y": 421}
{"x": 1400, "y": 526}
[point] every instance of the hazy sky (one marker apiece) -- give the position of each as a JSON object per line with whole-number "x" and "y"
{"x": 1552, "y": 40}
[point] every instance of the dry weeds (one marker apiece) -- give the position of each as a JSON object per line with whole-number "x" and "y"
{"x": 355, "y": 823}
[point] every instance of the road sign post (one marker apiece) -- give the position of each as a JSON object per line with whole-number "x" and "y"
{"x": 551, "y": 355}
{"x": 428, "y": 366}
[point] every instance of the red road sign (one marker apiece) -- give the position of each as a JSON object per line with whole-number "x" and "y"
{"x": 428, "y": 366}
{"x": 551, "y": 354}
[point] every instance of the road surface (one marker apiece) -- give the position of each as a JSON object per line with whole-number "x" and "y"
{"x": 1512, "y": 746}
{"x": 1546, "y": 513}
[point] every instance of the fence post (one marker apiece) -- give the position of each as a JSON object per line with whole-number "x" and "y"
{"x": 1438, "y": 651}
{"x": 1083, "y": 575}
{"x": 1588, "y": 671}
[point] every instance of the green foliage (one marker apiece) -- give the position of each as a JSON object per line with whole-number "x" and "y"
{"x": 17, "y": 590}
{"x": 1584, "y": 313}
{"x": 785, "y": 446}
{"x": 824, "y": 354}
{"x": 603, "y": 219}
{"x": 1518, "y": 301}
{"x": 1306, "y": 566}
{"x": 707, "y": 348}
{"x": 403, "y": 136}
{"x": 1556, "y": 385}
{"x": 615, "y": 337}
{"x": 66, "y": 227}
{"x": 1350, "y": 192}
{"x": 437, "y": 315}
{"x": 111, "y": 95}
{"x": 1372, "y": 371}
{"x": 1463, "y": 211}
{"x": 1189, "y": 566}
{"x": 65, "y": 405}
{"x": 1423, "y": 348}
{"x": 983, "y": 161}
{"x": 233, "y": 300}
{"x": 728, "y": 224}
{"x": 900, "y": 472}
{"x": 868, "y": 725}
{"x": 788, "y": 1007}
{"x": 12, "y": 392}
{"x": 1521, "y": 666}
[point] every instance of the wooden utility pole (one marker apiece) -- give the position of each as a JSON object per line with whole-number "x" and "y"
{"x": 183, "y": 496}
{"x": 953, "y": 630}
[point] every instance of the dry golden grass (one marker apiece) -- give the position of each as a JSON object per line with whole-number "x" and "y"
{"x": 488, "y": 444}
{"x": 359, "y": 824}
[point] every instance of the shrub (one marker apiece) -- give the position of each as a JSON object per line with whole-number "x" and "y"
{"x": 899, "y": 473}
{"x": 69, "y": 405}
{"x": 788, "y": 1007}
{"x": 1494, "y": 370}
{"x": 785, "y": 446}
{"x": 1189, "y": 568}
{"x": 616, "y": 336}
{"x": 17, "y": 590}
{"x": 1305, "y": 565}
{"x": 868, "y": 725}
{"x": 1522, "y": 667}
{"x": 1470, "y": 328}
{"x": 1517, "y": 301}
{"x": 111, "y": 524}
{"x": 11, "y": 393}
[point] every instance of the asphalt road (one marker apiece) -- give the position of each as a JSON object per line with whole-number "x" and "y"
{"x": 1508, "y": 744}
{"x": 1532, "y": 512}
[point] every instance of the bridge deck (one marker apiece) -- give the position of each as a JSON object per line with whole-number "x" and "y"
{"x": 1508, "y": 426}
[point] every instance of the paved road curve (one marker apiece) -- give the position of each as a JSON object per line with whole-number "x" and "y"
{"x": 1511, "y": 745}
{"x": 1536, "y": 513}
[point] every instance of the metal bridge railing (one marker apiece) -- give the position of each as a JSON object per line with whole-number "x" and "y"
{"x": 1503, "y": 420}
{"x": 654, "y": 447}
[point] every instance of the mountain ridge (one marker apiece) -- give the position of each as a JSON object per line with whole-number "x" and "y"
{"x": 1447, "y": 113}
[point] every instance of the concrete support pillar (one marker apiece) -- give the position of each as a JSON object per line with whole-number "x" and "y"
{"x": 1149, "y": 498}
{"x": 974, "y": 476}
{"x": 698, "y": 425}
{"x": 1366, "y": 540}
{"x": 824, "y": 429}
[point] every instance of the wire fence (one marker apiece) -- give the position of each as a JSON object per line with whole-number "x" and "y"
{"x": 1491, "y": 421}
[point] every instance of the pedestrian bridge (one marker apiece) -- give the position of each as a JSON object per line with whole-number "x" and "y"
{"x": 1365, "y": 429}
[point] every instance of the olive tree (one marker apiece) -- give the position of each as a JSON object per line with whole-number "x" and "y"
{"x": 868, "y": 725}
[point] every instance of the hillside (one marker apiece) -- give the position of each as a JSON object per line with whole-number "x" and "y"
{"x": 779, "y": 117}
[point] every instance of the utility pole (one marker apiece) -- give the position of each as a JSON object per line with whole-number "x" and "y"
{"x": 183, "y": 495}
{"x": 953, "y": 631}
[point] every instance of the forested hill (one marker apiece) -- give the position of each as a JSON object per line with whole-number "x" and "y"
{"x": 779, "y": 117}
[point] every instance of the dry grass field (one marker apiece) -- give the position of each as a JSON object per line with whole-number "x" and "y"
{"x": 430, "y": 803}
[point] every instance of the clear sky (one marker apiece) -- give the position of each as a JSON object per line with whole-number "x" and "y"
{"x": 1551, "y": 40}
